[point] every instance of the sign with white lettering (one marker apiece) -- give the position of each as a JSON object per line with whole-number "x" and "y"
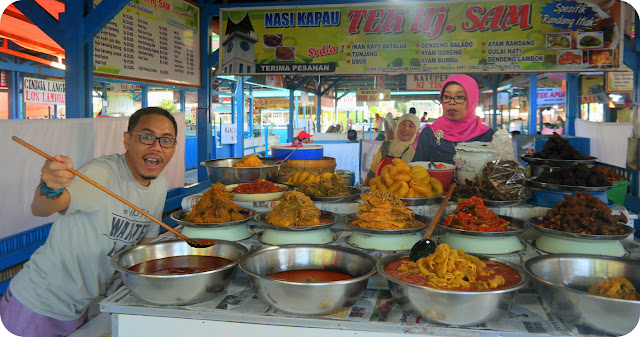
{"x": 373, "y": 95}
{"x": 229, "y": 133}
{"x": 548, "y": 97}
{"x": 426, "y": 81}
{"x": 151, "y": 40}
{"x": 431, "y": 37}
{"x": 43, "y": 91}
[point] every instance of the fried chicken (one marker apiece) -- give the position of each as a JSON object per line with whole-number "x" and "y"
{"x": 215, "y": 206}
{"x": 249, "y": 161}
{"x": 295, "y": 209}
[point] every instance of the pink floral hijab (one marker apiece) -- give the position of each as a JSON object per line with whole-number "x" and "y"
{"x": 471, "y": 125}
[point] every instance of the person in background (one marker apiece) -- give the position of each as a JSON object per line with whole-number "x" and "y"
{"x": 304, "y": 137}
{"x": 400, "y": 147}
{"x": 389, "y": 126}
{"x": 51, "y": 294}
{"x": 424, "y": 117}
{"x": 412, "y": 110}
{"x": 377, "y": 124}
{"x": 459, "y": 97}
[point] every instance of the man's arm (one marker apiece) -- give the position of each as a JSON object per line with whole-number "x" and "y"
{"x": 56, "y": 177}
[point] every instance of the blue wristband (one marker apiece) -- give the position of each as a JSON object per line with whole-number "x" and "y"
{"x": 48, "y": 192}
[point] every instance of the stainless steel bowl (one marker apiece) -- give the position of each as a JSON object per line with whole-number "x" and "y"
{"x": 308, "y": 298}
{"x": 177, "y": 289}
{"x": 222, "y": 171}
{"x": 563, "y": 281}
{"x": 449, "y": 306}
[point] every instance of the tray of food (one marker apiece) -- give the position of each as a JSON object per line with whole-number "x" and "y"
{"x": 557, "y": 162}
{"x": 558, "y": 187}
{"x": 214, "y": 209}
{"x": 422, "y": 201}
{"x": 557, "y": 152}
{"x": 326, "y": 219}
{"x": 583, "y": 216}
{"x": 494, "y": 203}
{"x": 240, "y": 216}
{"x": 330, "y": 187}
{"x": 472, "y": 217}
{"x": 296, "y": 212}
{"x": 385, "y": 213}
{"x": 259, "y": 190}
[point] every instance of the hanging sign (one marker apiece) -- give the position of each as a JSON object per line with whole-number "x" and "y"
{"x": 619, "y": 81}
{"x": 228, "y": 133}
{"x": 373, "y": 95}
{"x": 422, "y": 37}
{"x": 151, "y": 40}
{"x": 36, "y": 90}
{"x": 425, "y": 81}
{"x": 548, "y": 97}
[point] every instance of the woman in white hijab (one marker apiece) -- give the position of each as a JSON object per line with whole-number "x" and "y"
{"x": 389, "y": 126}
{"x": 400, "y": 147}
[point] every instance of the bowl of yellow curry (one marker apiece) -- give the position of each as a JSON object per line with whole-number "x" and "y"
{"x": 451, "y": 287}
{"x": 242, "y": 170}
{"x": 595, "y": 291}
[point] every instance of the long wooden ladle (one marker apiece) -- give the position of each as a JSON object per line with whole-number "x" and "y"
{"x": 425, "y": 246}
{"x": 193, "y": 243}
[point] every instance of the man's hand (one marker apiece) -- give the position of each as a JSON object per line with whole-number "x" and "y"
{"x": 55, "y": 174}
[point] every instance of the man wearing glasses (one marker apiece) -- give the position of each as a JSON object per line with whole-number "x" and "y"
{"x": 51, "y": 294}
{"x": 459, "y": 97}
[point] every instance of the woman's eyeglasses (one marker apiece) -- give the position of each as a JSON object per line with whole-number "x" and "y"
{"x": 149, "y": 139}
{"x": 457, "y": 99}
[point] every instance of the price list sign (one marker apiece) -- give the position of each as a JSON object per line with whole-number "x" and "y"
{"x": 152, "y": 41}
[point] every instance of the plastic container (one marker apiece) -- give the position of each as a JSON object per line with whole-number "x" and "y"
{"x": 306, "y": 152}
{"x": 470, "y": 158}
{"x": 618, "y": 193}
{"x": 445, "y": 175}
{"x": 546, "y": 198}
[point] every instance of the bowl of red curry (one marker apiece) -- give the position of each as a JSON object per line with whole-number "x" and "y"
{"x": 464, "y": 300}
{"x": 309, "y": 279}
{"x": 174, "y": 273}
{"x": 259, "y": 190}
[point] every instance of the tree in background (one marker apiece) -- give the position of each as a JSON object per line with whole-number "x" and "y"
{"x": 168, "y": 105}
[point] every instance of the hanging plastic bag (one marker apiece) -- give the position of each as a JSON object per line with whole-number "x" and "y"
{"x": 503, "y": 178}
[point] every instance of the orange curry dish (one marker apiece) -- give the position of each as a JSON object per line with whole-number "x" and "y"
{"x": 473, "y": 215}
{"x": 294, "y": 209}
{"x": 215, "y": 206}
{"x": 249, "y": 161}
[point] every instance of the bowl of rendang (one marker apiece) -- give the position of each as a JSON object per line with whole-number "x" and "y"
{"x": 174, "y": 273}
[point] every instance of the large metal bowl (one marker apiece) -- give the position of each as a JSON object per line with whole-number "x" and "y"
{"x": 452, "y": 307}
{"x": 563, "y": 281}
{"x": 222, "y": 171}
{"x": 177, "y": 289}
{"x": 308, "y": 298}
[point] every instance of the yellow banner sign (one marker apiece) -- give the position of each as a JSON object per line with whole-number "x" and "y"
{"x": 427, "y": 37}
{"x": 373, "y": 95}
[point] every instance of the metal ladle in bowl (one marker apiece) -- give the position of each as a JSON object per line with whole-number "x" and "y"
{"x": 425, "y": 246}
{"x": 287, "y": 157}
{"x": 201, "y": 243}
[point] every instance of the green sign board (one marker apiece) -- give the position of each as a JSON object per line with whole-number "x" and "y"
{"x": 427, "y": 37}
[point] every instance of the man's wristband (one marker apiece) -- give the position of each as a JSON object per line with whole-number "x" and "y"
{"x": 48, "y": 192}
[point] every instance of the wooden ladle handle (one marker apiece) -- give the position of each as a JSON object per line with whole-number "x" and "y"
{"x": 435, "y": 219}
{"x": 104, "y": 189}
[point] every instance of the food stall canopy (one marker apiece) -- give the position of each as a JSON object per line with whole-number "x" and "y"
{"x": 16, "y": 27}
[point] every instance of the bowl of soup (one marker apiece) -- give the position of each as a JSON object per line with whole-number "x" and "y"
{"x": 174, "y": 273}
{"x": 596, "y": 291}
{"x": 458, "y": 306}
{"x": 308, "y": 279}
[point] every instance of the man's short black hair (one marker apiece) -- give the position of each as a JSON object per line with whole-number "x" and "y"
{"x": 135, "y": 118}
